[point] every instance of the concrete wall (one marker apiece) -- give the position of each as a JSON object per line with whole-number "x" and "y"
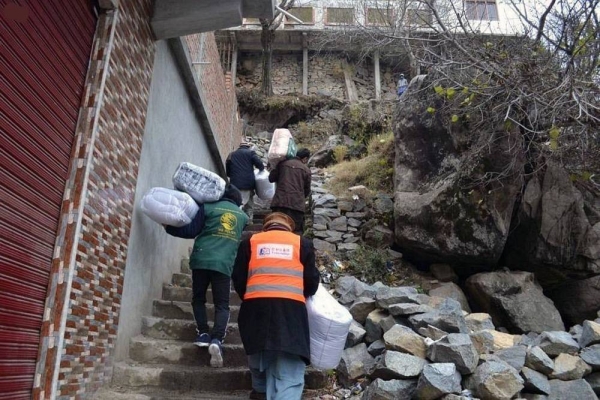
{"x": 172, "y": 135}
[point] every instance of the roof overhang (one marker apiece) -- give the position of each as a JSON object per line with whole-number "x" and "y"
{"x": 173, "y": 18}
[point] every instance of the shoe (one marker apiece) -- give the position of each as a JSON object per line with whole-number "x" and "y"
{"x": 257, "y": 395}
{"x": 216, "y": 353}
{"x": 202, "y": 340}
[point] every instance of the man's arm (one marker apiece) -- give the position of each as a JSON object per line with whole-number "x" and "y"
{"x": 274, "y": 174}
{"x": 257, "y": 162}
{"x": 311, "y": 273}
{"x": 240, "y": 268}
{"x": 191, "y": 230}
{"x": 228, "y": 165}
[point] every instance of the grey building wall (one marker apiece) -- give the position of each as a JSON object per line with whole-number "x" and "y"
{"x": 172, "y": 135}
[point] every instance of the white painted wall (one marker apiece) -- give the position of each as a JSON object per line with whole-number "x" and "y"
{"x": 172, "y": 135}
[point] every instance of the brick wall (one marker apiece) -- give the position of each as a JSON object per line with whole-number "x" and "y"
{"x": 221, "y": 104}
{"x": 82, "y": 309}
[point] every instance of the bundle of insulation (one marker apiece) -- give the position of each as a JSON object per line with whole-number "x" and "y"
{"x": 329, "y": 323}
{"x": 203, "y": 185}
{"x": 265, "y": 190}
{"x": 282, "y": 146}
{"x": 169, "y": 207}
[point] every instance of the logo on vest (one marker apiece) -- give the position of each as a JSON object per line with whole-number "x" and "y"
{"x": 274, "y": 250}
{"x": 228, "y": 221}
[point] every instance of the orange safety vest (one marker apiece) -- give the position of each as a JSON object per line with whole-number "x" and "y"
{"x": 275, "y": 270}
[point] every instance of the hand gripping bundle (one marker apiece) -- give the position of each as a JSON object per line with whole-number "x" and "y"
{"x": 329, "y": 323}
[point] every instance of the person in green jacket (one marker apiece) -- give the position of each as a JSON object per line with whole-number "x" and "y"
{"x": 217, "y": 229}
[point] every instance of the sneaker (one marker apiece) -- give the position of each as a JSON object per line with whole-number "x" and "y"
{"x": 257, "y": 395}
{"x": 202, "y": 340}
{"x": 216, "y": 353}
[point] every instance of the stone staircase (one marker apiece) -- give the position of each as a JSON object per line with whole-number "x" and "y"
{"x": 165, "y": 364}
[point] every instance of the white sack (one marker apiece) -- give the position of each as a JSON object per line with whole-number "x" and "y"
{"x": 329, "y": 323}
{"x": 169, "y": 207}
{"x": 265, "y": 190}
{"x": 203, "y": 185}
{"x": 282, "y": 147}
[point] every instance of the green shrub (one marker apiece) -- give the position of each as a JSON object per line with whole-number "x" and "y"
{"x": 370, "y": 265}
{"x": 339, "y": 153}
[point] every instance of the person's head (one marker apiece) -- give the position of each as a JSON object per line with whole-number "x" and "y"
{"x": 232, "y": 193}
{"x": 246, "y": 143}
{"x": 278, "y": 221}
{"x": 303, "y": 154}
{"x": 401, "y": 75}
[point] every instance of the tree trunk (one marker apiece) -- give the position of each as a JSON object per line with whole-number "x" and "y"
{"x": 266, "y": 39}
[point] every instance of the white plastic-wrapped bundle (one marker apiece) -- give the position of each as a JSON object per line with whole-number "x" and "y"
{"x": 203, "y": 185}
{"x": 282, "y": 147}
{"x": 169, "y": 207}
{"x": 265, "y": 190}
{"x": 329, "y": 323}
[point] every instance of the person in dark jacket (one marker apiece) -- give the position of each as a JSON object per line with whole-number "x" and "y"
{"x": 217, "y": 229}
{"x": 293, "y": 186}
{"x": 273, "y": 273}
{"x": 239, "y": 167}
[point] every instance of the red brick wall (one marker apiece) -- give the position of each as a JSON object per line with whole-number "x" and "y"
{"x": 91, "y": 248}
{"x": 221, "y": 103}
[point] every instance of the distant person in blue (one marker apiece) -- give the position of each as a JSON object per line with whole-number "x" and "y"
{"x": 402, "y": 85}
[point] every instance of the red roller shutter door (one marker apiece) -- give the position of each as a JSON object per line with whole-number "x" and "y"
{"x": 44, "y": 54}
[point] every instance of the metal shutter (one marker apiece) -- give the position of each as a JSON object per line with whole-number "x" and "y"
{"x": 44, "y": 54}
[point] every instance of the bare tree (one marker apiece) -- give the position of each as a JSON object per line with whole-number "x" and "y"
{"x": 267, "y": 34}
{"x": 539, "y": 78}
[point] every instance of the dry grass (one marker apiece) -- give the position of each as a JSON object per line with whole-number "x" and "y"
{"x": 375, "y": 171}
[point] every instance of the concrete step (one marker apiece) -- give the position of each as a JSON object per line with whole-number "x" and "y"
{"x": 178, "y": 293}
{"x": 181, "y": 280}
{"x": 189, "y": 380}
{"x": 152, "y": 393}
{"x": 183, "y": 310}
{"x": 157, "y": 351}
{"x": 181, "y": 329}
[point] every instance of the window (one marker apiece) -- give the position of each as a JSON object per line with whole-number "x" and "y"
{"x": 419, "y": 17}
{"x": 379, "y": 16}
{"x": 339, "y": 16}
{"x": 485, "y": 10}
{"x": 303, "y": 13}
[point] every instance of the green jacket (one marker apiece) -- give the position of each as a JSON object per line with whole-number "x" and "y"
{"x": 218, "y": 229}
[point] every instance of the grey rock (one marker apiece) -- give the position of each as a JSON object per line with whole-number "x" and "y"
{"x": 590, "y": 333}
{"x": 403, "y": 339}
{"x": 350, "y": 288}
{"x": 383, "y": 205}
{"x": 321, "y": 219}
{"x": 373, "y": 325}
{"x": 456, "y": 348}
{"x": 396, "y": 365}
{"x": 357, "y": 215}
{"x": 326, "y": 201}
{"x": 519, "y": 302}
{"x": 339, "y": 224}
{"x": 354, "y": 222}
{"x": 591, "y": 355}
{"x": 355, "y": 363}
{"x": 535, "y": 382}
{"x": 361, "y": 308}
{"x": 453, "y": 291}
{"x": 390, "y": 390}
{"x": 356, "y": 334}
{"x": 432, "y": 332}
{"x": 327, "y": 212}
{"x": 443, "y": 273}
{"x": 403, "y": 309}
{"x": 479, "y": 322}
{"x": 376, "y": 348}
{"x": 447, "y": 317}
{"x": 387, "y": 296}
{"x": 538, "y": 360}
{"x": 556, "y": 342}
{"x": 594, "y": 381}
{"x": 437, "y": 380}
{"x": 513, "y": 356}
{"x": 495, "y": 379}
{"x": 322, "y": 245}
{"x": 578, "y": 389}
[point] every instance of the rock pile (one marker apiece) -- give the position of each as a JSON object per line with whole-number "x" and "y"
{"x": 407, "y": 345}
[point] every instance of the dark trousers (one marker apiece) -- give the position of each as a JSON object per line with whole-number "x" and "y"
{"x": 297, "y": 216}
{"x": 221, "y": 286}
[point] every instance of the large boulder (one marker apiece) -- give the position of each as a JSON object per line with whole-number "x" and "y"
{"x": 556, "y": 232}
{"x": 577, "y": 300}
{"x": 514, "y": 300}
{"x": 439, "y": 214}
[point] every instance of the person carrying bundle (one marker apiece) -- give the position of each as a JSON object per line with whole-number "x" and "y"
{"x": 239, "y": 167}
{"x": 217, "y": 230}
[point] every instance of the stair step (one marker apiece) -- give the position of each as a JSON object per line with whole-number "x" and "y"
{"x": 181, "y": 329}
{"x": 190, "y": 379}
{"x": 158, "y": 351}
{"x": 183, "y": 310}
{"x": 178, "y": 293}
{"x": 150, "y": 393}
{"x": 182, "y": 280}
{"x": 185, "y": 266}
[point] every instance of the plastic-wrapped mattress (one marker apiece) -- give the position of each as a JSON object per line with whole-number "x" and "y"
{"x": 203, "y": 185}
{"x": 265, "y": 190}
{"x": 329, "y": 323}
{"x": 282, "y": 147}
{"x": 169, "y": 207}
